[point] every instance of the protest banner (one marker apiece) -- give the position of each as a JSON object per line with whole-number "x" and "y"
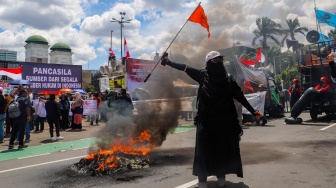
{"x": 256, "y": 100}
{"x": 52, "y": 77}
{"x": 89, "y": 106}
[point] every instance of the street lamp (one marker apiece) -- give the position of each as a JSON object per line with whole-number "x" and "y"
{"x": 121, "y": 22}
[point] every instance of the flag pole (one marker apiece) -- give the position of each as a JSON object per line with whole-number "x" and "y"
{"x": 170, "y": 45}
{"x": 316, "y": 16}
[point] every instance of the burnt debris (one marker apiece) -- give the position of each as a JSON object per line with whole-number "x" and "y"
{"x": 102, "y": 165}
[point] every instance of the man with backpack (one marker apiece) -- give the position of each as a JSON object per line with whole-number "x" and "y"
{"x": 3, "y": 104}
{"x": 19, "y": 111}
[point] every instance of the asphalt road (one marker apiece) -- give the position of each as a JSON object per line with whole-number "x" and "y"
{"x": 277, "y": 155}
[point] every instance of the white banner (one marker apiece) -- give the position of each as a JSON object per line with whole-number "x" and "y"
{"x": 252, "y": 74}
{"x": 104, "y": 84}
{"x": 256, "y": 100}
{"x": 90, "y": 107}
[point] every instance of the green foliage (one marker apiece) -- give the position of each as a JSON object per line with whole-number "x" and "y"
{"x": 294, "y": 28}
{"x": 267, "y": 29}
{"x": 287, "y": 75}
{"x": 332, "y": 34}
{"x": 90, "y": 88}
{"x": 95, "y": 81}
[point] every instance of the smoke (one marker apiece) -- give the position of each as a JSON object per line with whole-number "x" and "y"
{"x": 158, "y": 116}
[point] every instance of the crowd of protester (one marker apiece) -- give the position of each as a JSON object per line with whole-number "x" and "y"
{"x": 53, "y": 110}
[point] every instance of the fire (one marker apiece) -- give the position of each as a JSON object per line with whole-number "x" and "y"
{"x": 110, "y": 158}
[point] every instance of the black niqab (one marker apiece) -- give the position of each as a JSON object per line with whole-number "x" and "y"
{"x": 215, "y": 86}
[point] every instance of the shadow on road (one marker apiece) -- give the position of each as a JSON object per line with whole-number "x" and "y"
{"x": 213, "y": 184}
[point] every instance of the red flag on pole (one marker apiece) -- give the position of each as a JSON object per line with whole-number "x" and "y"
{"x": 127, "y": 53}
{"x": 198, "y": 16}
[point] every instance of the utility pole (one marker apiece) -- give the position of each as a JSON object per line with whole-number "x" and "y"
{"x": 121, "y": 22}
{"x": 111, "y": 39}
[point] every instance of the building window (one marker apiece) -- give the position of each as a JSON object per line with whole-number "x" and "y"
{"x": 39, "y": 60}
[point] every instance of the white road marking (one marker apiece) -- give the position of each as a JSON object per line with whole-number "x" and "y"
{"x": 30, "y": 166}
{"x": 33, "y": 156}
{"x": 80, "y": 148}
{"x": 192, "y": 183}
{"x": 327, "y": 127}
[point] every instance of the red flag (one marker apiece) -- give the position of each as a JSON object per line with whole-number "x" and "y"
{"x": 14, "y": 73}
{"x": 198, "y": 16}
{"x": 248, "y": 61}
{"x": 127, "y": 53}
{"x": 260, "y": 56}
{"x": 111, "y": 52}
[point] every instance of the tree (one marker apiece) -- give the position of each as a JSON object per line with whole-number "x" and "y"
{"x": 332, "y": 34}
{"x": 90, "y": 88}
{"x": 95, "y": 81}
{"x": 271, "y": 56}
{"x": 287, "y": 75}
{"x": 294, "y": 28}
{"x": 267, "y": 28}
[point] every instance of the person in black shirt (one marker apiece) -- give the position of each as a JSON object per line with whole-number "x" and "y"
{"x": 53, "y": 117}
{"x": 218, "y": 131}
{"x": 19, "y": 123}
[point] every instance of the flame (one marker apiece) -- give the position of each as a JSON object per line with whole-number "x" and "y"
{"x": 139, "y": 146}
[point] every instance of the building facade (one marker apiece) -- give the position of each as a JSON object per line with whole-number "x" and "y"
{"x": 61, "y": 54}
{"x": 36, "y": 49}
{"x": 8, "y": 55}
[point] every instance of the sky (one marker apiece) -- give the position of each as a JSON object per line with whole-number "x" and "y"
{"x": 85, "y": 25}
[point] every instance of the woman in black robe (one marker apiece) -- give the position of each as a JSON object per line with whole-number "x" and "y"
{"x": 218, "y": 132}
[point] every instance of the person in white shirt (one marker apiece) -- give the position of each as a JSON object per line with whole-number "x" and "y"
{"x": 41, "y": 115}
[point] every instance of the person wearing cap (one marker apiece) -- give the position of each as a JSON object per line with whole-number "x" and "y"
{"x": 295, "y": 92}
{"x": 218, "y": 131}
{"x": 324, "y": 85}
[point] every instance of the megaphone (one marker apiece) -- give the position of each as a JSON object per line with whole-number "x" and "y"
{"x": 101, "y": 70}
{"x": 106, "y": 69}
{"x": 119, "y": 67}
{"x": 113, "y": 64}
{"x": 313, "y": 36}
{"x": 269, "y": 68}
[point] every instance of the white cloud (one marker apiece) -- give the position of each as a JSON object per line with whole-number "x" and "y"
{"x": 154, "y": 24}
